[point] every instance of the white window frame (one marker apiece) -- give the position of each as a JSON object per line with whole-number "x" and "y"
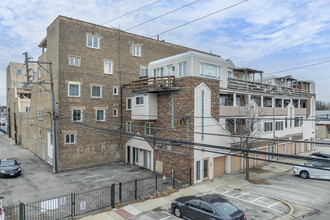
{"x": 130, "y": 98}
{"x": 230, "y": 74}
{"x": 272, "y": 127}
{"x": 40, "y": 132}
{"x": 34, "y": 74}
{"x": 103, "y": 114}
{"x": 281, "y": 128}
{"x": 109, "y": 70}
{"x": 223, "y": 101}
{"x": 148, "y": 128}
{"x": 115, "y": 112}
{"x": 19, "y": 70}
{"x": 74, "y": 83}
{"x": 136, "y": 50}
{"x": 74, "y": 59}
{"x": 70, "y": 137}
{"x": 81, "y": 115}
{"x": 40, "y": 114}
{"x": 129, "y": 126}
{"x": 39, "y": 73}
{"x": 40, "y": 93}
{"x": 158, "y": 72}
{"x": 115, "y": 90}
{"x": 202, "y": 70}
{"x": 136, "y": 97}
{"x": 181, "y": 73}
{"x": 93, "y": 46}
{"x": 27, "y": 109}
{"x": 169, "y": 69}
{"x": 143, "y": 71}
{"x": 97, "y": 97}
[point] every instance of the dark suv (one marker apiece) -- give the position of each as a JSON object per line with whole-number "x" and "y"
{"x": 10, "y": 167}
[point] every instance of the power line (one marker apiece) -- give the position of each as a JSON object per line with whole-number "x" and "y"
{"x": 231, "y": 6}
{"x": 299, "y": 67}
{"x": 131, "y": 12}
{"x": 162, "y": 15}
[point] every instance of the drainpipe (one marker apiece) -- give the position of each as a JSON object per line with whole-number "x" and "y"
{"x": 188, "y": 134}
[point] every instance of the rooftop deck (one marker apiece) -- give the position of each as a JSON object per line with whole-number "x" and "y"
{"x": 154, "y": 84}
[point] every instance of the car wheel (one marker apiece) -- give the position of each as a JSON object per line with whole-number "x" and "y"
{"x": 177, "y": 212}
{"x": 304, "y": 174}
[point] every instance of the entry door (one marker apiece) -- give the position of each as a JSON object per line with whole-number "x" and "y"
{"x": 206, "y": 169}
{"x": 34, "y": 144}
{"x": 128, "y": 154}
{"x": 43, "y": 150}
{"x": 50, "y": 148}
{"x": 134, "y": 156}
{"x": 145, "y": 158}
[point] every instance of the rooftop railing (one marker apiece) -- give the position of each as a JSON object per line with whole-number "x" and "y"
{"x": 153, "y": 82}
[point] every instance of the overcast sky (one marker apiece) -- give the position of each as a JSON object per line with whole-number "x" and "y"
{"x": 267, "y": 35}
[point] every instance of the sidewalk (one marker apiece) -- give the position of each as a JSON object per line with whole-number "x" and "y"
{"x": 235, "y": 181}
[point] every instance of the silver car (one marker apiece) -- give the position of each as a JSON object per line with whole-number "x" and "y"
{"x": 311, "y": 172}
{"x": 2, "y": 214}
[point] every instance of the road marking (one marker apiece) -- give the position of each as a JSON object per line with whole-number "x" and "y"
{"x": 166, "y": 217}
{"x": 276, "y": 203}
{"x": 170, "y": 215}
{"x": 257, "y": 199}
{"x": 242, "y": 194}
{"x": 96, "y": 175}
{"x": 102, "y": 179}
{"x": 255, "y": 204}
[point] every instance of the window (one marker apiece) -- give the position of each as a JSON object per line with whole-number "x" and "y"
{"x": 129, "y": 126}
{"x": 194, "y": 203}
{"x": 27, "y": 109}
{"x": 328, "y": 130}
{"x": 159, "y": 71}
{"x": 74, "y": 90}
{"x": 268, "y": 126}
{"x": 93, "y": 41}
{"x": 206, "y": 208}
{"x": 18, "y": 71}
{"x": 40, "y": 112}
{"x": 77, "y": 115}
{"x": 210, "y": 70}
{"x": 230, "y": 74}
{"x": 149, "y": 130}
{"x": 39, "y": 73}
{"x": 298, "y": 121}
{"x": 182, "y": 69}
{"x": 279, "y": 126}
{"x": 34, "y": 74}
{"x": 225, "y": 208}
{"x": 136, "y": 155}
{"x": 169, "y": 70}
{"x": 70, "y": 138}
{"x": 40, "y": 93}
{"x": 107, "y": 67}
{"x": 39, "y": 132}
{"x": 20, "y": 84}
{"x": 96, "y": 91}
{"x": 129, "y": 104}
{"x": 74, "y": 61}
{"x": 143, "y": 71}
{"x": 198, "y": 170}
{"x": 139, "y": 100}
{"x": 223, "y": 101}
{"x": 286, "y": 122}
{"x": 136, "y": 50}
{"x": 115, "y": 113}
{"x": 100, "y": 115}
{"x": 115, "y": 90}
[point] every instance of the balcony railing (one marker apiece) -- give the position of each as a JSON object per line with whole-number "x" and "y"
{"x": 158, "y": 82}
{"x": 262, "y": 87}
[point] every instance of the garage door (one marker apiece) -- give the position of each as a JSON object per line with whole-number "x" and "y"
{"x": 219, "y": 165}
{"x": 298, "y": 148}
{"x": 235, "y": 163}
{"x": 289, "y": 149}
{"x": 261, "y": 156}
{"x": 251, "y": 161}
{"x": 281, "y": 148}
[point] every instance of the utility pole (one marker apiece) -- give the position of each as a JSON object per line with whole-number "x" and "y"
{"x": 15, "y": 126}
{"x": 54, "y": 116}
{"x": 27, "y": 67}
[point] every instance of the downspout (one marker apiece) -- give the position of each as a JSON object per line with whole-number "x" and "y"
{"x": 188, "y": 134}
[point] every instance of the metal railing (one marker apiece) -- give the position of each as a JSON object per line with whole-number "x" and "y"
{"x": 78, "y": 204}
{"x": 153, "y": 82}
{"x": 262, "y": 87}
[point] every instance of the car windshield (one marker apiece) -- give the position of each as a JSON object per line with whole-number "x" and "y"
{"x": 225, "y": 208}
{"x": 7, "y": 163}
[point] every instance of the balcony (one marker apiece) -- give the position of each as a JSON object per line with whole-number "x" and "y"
{"x": 154, "y": 85}
{"x": 240, "y": 111}
{"x": 262, "y": 87}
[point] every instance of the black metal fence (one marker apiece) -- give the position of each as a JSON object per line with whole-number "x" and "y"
{"x": 78, "y": 204}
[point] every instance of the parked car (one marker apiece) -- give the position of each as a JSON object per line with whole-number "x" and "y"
{"x": 210, "y": 206}
{"x": 2, "y": 214}
{"x": 311, "y": 172}
{"x": 320, "y": 155}
{"x": 10, "y": 167}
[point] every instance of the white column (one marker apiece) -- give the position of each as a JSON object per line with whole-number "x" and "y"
{"x": 228, "y": 164}
{"x": 234, "y": 99}
{"x": 235, "y": 125}
{"x": 298, "y": 103}
{"x": 262, "y": 101}
{"x": 273, "y": 102}
{"x": 291, "y": 101}
{"x": 249, "y": 98}
{"x": 282, "y": 102}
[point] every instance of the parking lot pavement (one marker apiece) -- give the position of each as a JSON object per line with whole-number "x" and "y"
{"x": 255, "y": 206}
{"x": 38, "y": 182}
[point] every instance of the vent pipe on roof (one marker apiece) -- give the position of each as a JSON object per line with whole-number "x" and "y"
{"x": 157, "y": 37}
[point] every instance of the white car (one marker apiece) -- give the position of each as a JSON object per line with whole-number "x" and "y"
{"x": 311, "y": 172}
{"x": 2, "y": 214}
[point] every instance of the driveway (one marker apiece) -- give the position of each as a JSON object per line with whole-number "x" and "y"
{"x": 38, "y": 182}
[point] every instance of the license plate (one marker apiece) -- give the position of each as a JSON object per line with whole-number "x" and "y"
{"x": 11, "y": 174}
